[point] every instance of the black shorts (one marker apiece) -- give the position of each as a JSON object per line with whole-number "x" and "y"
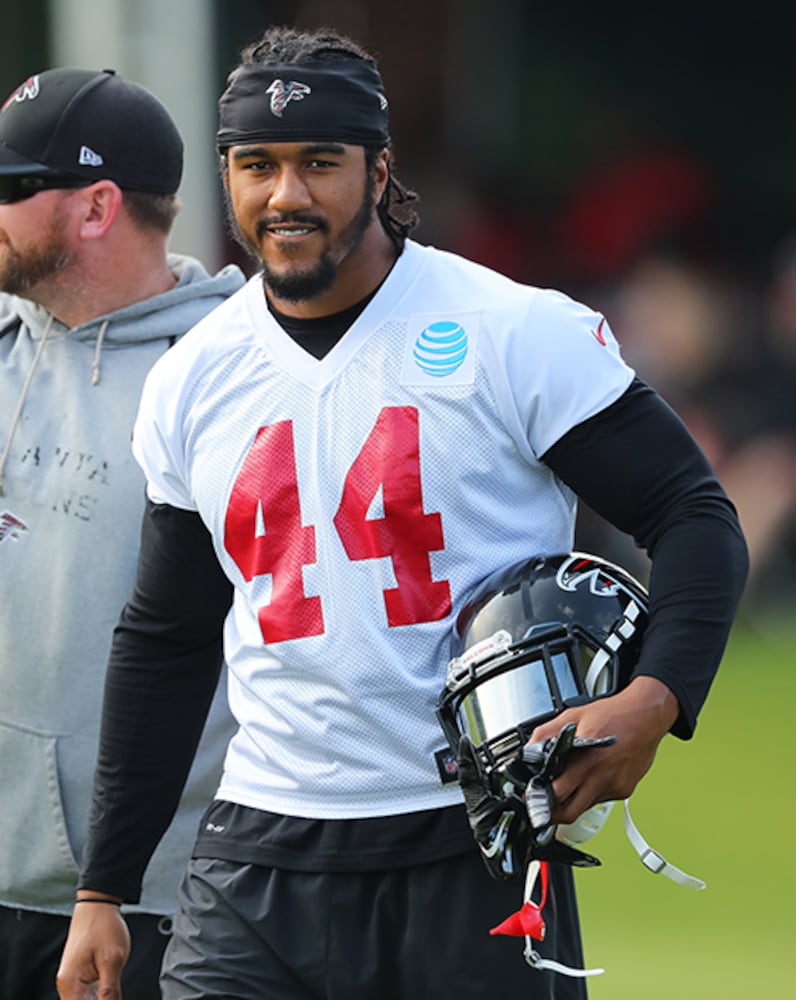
{"x": 30, "y": 953}
{"x": 251, "y": 933}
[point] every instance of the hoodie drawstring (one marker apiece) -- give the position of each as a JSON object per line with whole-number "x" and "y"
{"x": 95, "y": 368}
{"x": 95, "y": 377}
{"x": 18, "y": 413}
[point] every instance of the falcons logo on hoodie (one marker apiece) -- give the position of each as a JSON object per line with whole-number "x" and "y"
{"x": 11, "y": 526}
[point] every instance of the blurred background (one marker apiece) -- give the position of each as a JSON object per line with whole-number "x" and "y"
{"x": 643, "y": 160}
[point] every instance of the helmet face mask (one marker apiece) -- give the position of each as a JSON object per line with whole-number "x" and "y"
{"x": 498, "y": 704}
{"x": 534, "y": 639}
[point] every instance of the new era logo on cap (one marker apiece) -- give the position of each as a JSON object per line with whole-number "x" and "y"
{"x": 88, "y": 158}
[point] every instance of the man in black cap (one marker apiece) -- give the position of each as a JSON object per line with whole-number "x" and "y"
{"x": 353, "y": 442}
{"x": 90, "y": 165}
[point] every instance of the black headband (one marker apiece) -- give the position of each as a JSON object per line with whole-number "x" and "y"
{"x": 341, "y": 101}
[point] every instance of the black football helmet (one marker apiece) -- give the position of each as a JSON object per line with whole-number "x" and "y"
{"x": 538, "y": 637}
{"x": 535, "y": 638}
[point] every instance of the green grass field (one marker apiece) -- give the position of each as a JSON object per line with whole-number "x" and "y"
{"x": 721, "y": 807}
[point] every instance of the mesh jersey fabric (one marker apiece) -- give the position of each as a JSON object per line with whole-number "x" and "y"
{"x": 356, "y": 500}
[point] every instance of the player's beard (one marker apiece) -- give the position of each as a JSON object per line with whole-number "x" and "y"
{"x": 309, "y": 283}
{"x": 23, "y": 269}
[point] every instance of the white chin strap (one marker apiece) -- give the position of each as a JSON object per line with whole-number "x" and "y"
{"x": 655, "y": 862}
{"x": 535, "y": 960}
{"x": 532, "y": 956}
{"x": 650, "y": 858}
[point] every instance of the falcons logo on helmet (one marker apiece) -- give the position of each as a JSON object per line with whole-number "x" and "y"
{"x": 580, "y": 570}
{"x": 282, "y": 94}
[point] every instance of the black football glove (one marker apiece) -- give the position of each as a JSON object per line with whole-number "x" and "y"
{"x": 500, "y": 824}
{"x": 514, "y": 827}
{"x": 547, "y": 760}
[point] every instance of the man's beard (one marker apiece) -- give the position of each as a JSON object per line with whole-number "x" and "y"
{"x": 301, "y": 286}
{"x": 21, "y": 270}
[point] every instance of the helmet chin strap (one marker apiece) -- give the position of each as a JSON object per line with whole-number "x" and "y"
{"x": 528, "y": 922}
{"x": 595, "y": 683}
{"x": 652, "y": 860}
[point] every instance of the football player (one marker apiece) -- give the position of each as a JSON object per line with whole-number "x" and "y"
{"x": 352, "y": 443}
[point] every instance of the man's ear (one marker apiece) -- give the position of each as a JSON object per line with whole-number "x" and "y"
{"x": 381, "y": 174}
{"x": 223, "y": 169}
{"x": 99, "y": 206}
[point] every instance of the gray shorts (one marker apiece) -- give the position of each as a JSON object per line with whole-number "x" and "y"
{"x": 246, "y": 932}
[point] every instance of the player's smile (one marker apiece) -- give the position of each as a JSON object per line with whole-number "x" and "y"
{"x": 286, "y": 231}
{"x": 285, "y": 235}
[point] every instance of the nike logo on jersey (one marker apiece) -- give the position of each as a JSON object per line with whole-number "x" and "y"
{"x": 598, "y": 334}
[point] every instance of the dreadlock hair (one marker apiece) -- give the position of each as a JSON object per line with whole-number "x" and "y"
{"x": 281, "y": 44}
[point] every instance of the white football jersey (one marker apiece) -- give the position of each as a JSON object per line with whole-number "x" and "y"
{"x": 354, "y": 501}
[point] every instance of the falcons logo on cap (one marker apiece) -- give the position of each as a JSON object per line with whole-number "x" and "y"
{"x": 282, "y": 94}
{"x": 26, "y": 91}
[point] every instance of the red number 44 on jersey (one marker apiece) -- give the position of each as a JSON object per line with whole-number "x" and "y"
{"x": 266, "y": 492}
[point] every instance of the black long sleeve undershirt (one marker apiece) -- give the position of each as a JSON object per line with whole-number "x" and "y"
{"x": 635, "y": 464}
{"x": 163, "y": 670}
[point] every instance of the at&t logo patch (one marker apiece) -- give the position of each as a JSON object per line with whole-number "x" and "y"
{"x": 440, "y": 350}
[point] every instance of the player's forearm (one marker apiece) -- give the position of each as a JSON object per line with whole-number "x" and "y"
{"x": 683, "y": 519}
{"x": 162, "y": 674}
{"x": 698, "y": 575}
{"x": 152, "y": 723}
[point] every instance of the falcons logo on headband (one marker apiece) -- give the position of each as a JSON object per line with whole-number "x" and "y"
{"x": 282, "y": 94}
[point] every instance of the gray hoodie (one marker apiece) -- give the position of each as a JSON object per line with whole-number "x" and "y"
{"x": 70, "y": 512}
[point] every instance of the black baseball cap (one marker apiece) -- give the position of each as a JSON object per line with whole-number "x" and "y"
{"x": 88, "y": 126}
